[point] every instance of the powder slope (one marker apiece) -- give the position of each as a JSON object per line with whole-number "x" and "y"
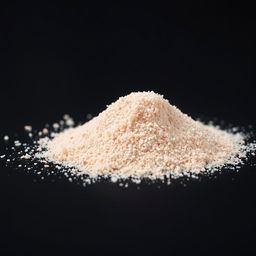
{"x": 142, "y": 135}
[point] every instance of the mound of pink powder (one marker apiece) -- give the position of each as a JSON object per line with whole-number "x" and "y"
{"x": 143, "y": 135}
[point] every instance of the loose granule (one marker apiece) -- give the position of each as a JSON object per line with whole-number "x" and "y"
{"x": 143, "y": 135}
{"x": 28, "y": 128}
{"x": 17, "y": 143}
{"x": 66, "y": 117}
{"x": 89, "y": 116}
{"x": 45, "y": 131}
{"x": 56, "y": 126}
{"x": 69, "y": 122}
{"x": 26, "y": 156}
{"x": 6, "y": 138}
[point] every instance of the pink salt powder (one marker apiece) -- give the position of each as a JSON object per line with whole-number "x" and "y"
{"x": 142, "y": 135}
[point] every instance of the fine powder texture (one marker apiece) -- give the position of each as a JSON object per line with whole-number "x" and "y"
{"x": 143, "y": 135}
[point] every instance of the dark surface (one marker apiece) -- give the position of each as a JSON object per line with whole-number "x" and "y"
{"x": 58, "y": 59}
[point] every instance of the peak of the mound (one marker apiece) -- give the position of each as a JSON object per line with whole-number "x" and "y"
{"x": 140, "y": 107}
{"x": 135, "y": 99}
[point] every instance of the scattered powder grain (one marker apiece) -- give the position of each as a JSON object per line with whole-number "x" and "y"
{"x": 17, "y": 143}
{"x": 69, "y": 122}
{"x": 89, "y": 116}
{"x": 66, "y": 117}
{"x": 28, "y": 128}
{"x": 45, "y": 131}
{"x": 142, "y": 135}
{"x": 26, "y": 156}
{"x": 55, "y": 126}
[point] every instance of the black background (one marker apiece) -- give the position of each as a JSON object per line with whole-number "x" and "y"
{"x": 59, "y": 58}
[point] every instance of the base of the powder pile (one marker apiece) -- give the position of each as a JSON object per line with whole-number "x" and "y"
{"x": 139, "y": 138}
{"x": 29, "y": 157}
